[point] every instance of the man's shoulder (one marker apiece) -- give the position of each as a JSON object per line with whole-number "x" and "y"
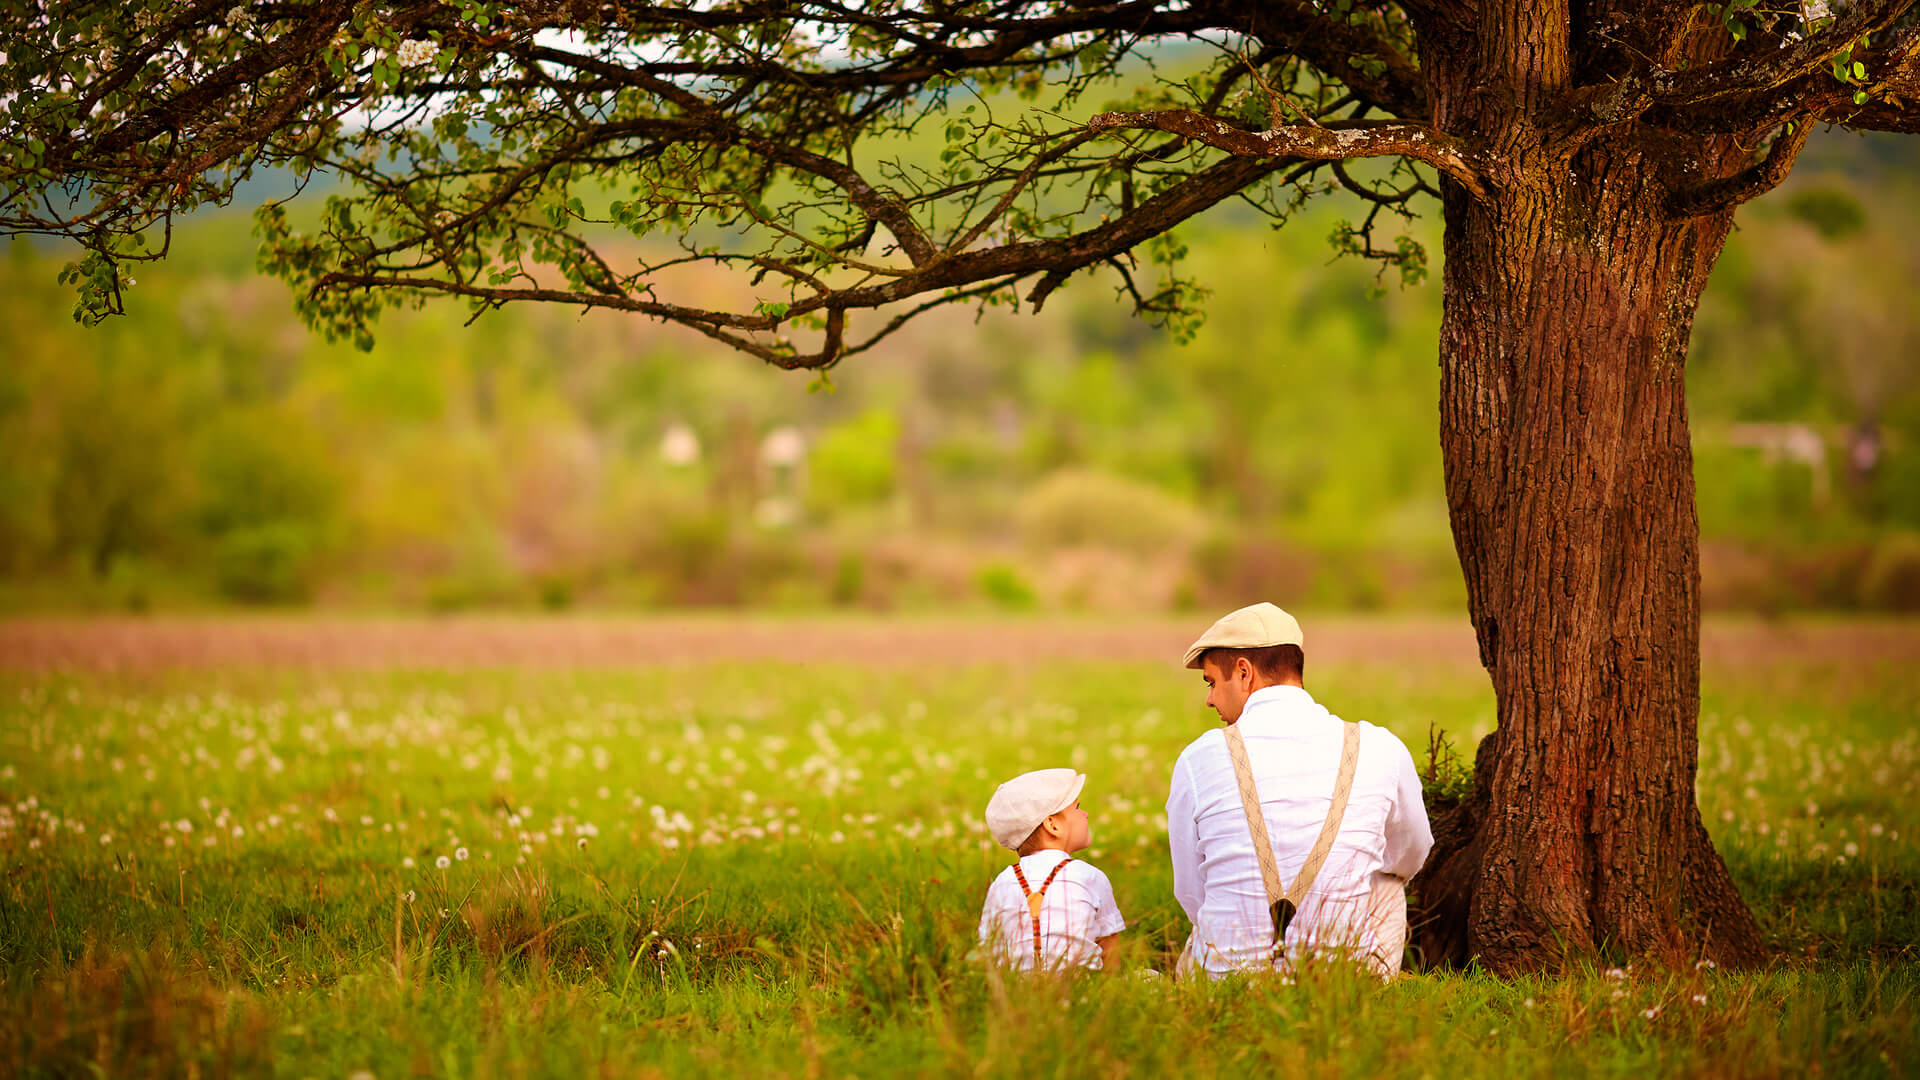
{"x": 1212, "y": 738}
{"x": 1383, "y": 738}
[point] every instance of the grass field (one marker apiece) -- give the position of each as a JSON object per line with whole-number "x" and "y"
{"x": 593, "y": 856}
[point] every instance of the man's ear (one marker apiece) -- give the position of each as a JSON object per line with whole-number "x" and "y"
{"x": 1242, "y": 668}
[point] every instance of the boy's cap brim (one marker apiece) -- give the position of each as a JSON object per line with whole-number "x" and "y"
{"x": 1256, "y": 626}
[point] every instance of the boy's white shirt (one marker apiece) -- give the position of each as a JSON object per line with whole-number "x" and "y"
{"x": 1294, "y": 744}
{"x": 1077, "y": 911}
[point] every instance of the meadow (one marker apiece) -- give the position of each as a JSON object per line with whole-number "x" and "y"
{"x": 762, "y": 853}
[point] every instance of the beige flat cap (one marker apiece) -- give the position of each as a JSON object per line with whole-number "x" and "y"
{"x": 1253, "y": 627}
{"x": 1022, "y": 803}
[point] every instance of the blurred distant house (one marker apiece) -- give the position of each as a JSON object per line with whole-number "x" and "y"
{"x": 782, "y": 459}
{"x": 679, "y": 446}
{"x": 1797, "y": 444}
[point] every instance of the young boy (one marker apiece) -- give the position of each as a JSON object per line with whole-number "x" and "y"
{"x": 1049, "y": 910}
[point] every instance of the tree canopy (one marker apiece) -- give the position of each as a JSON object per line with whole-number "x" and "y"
{"x": 847, "y": 156}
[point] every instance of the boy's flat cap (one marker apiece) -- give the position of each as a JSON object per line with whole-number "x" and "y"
{"x": 1022, "y": 803}
{"x": 1255, "y": 626}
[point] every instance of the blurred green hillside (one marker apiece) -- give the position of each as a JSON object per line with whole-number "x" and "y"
{"x": 207, "y": 450}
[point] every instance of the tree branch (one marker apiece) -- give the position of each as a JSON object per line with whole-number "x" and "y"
{"x": 1892, "y": 81}
{"x": 1730, "y": 191}
{"x": 1335, "y": 141}
{"x": 959, "y": 272}
{"x": 1340, "y": 48}
{"x": 1756, "y": 70}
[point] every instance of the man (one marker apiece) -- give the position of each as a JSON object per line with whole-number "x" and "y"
{"x": 1355, "y": 901}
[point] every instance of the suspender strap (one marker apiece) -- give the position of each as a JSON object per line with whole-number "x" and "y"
{"x": 1036, "y": 899}
{"x": 1283, "y": 903}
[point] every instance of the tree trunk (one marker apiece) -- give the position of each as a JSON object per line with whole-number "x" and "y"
{"x": 1570, "y": 296}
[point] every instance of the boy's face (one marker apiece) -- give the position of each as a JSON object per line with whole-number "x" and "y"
{"x": 1074, "y": 833}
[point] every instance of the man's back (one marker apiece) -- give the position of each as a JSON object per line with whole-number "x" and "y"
{"x": 1293, "y": 745}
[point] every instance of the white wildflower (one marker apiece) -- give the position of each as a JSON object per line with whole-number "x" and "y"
{"x": 443, "y": 862}
{"x": 406, "y": 863}
{"x": 1650, "y": 1012}
{"x": 460, "y": 853}
{"x": 1699, "y": 999}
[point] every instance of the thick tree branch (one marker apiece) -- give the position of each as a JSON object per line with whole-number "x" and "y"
{"x": 1892, "y": 84}
{"x": 1756, "y": 68}
{"x": 1336, "y": 141}
{"x": 1757, "y": 79}
{"x": 1749, "y": 183}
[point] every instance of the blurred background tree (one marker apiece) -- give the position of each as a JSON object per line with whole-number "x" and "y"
{"x": 206, "y": 449}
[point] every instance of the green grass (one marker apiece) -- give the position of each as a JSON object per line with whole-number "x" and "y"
{"x": 782, "y": 867}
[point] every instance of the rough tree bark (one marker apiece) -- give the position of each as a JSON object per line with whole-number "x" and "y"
{"x": 1570, "y": 294}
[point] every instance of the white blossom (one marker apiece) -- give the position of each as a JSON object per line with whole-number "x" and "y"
{"x": 415, "y": 53}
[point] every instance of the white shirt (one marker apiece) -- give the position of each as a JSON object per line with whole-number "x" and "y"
{"x": 1077, "y": 910}
{"x": 1294, "y": 747}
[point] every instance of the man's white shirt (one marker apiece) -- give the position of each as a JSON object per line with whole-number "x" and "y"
{"x": 1076, "y": 913}
{"x": 1294, "y": 746}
